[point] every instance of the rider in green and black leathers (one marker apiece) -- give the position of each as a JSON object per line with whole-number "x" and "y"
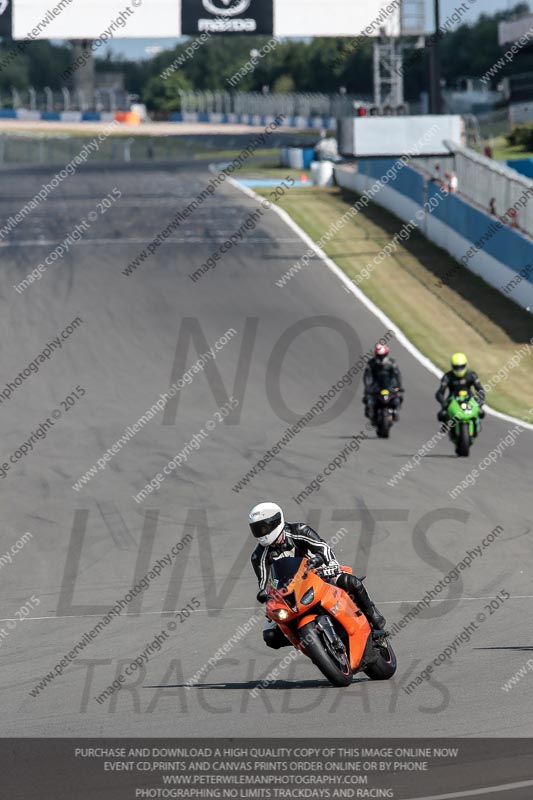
{"x": 459, "y": 377}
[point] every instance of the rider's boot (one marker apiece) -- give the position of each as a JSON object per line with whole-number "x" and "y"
{"x": 355, "y": 587}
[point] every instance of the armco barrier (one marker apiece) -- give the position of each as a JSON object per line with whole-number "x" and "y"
{"x": 56, "y": 116}
{"x": 298, "y": 123}
{"x": 469, "y": 234}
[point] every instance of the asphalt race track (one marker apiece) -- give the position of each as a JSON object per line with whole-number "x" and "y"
{"x": 138, "y": 334}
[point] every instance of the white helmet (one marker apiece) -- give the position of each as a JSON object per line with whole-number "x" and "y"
{"x": 266, "y": 522}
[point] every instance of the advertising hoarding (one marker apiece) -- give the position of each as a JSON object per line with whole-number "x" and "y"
{"x": 6, "y": 8}
{"x": 510, "y": 32}
{"x": 395, "y": 136}
{"x": 90, "y": 19}
{"x": 220, "y": 16}
{"x": 336, "y": 17}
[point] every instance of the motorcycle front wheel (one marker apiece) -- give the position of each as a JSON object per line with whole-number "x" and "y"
{"x": 383, "y": 426}
{"x": 385, "y": 665}
{"x": 463, "y": 445}
{"x": 337, "y": 670}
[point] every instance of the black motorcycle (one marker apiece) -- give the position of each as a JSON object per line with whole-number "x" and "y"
{"x": 383, "y": 412}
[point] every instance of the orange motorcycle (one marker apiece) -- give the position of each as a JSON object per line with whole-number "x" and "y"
{"x": 323, "y": 621}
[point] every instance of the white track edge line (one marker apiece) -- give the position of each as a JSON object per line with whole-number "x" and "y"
{"x": 249, "y": 608}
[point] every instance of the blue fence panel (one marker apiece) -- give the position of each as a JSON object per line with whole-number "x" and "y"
{"x": 522, "y": 165}
{"x": 308, "y": 156}
{"x": 405, "y": 180}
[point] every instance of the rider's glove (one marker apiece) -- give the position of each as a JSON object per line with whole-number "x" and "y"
{"x": 315, "y": 561}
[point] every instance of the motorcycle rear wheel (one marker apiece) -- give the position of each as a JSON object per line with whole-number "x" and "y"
{"x": 329, "y": 667}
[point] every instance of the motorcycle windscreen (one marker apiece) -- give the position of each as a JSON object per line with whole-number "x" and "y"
{"x": 283, "y": 571}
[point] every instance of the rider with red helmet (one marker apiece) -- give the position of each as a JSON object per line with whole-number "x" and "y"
{"x": 381, "y": 372}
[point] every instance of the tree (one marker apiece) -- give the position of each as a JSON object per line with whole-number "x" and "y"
{"x": 283, "y": 85}
{"x": 472, "y": 49}
{"x": 32, "y": 63}
{"x": 164, "y": 95}
{"x": 14, "y": 74}
{"x": 46, "y": 62}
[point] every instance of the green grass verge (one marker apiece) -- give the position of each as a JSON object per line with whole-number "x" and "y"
{"x": 219, "y": 155}
{"x": 503, "y": 151}
{"x": 464, "y": 315}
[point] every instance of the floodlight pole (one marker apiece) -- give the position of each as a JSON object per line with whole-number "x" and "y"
{"x": 435, "y": 93}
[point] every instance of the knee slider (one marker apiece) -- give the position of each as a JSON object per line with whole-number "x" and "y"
{"x": 271, "y": 639}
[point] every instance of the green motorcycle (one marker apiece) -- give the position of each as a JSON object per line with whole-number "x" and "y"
{"x": 463, "y": 421}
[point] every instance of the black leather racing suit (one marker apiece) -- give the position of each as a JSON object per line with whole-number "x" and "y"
{"x": 381, "y": 375}
{"x": 450, "y": 384}
{"x": 302, "y": 541}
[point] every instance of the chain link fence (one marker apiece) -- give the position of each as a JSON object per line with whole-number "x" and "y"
{"x": 297, "y": 104}
{"x": 49, "y": 101}
{"x": 495, "y": 123}
{"x": 34, "y": 148}
{"x": 304, "y": 104}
